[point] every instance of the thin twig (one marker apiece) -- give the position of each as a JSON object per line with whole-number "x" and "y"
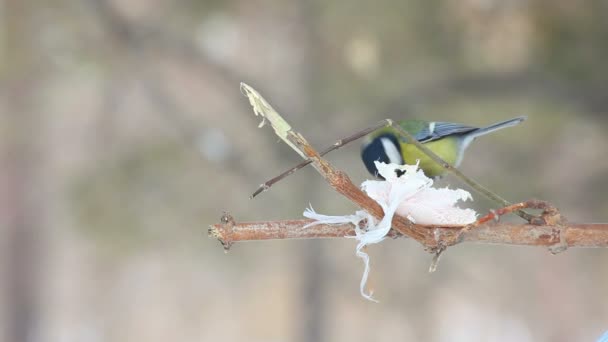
{"x": 473, "y": 184}
{"x": 338, "y": 144}
{"x": 549, "y": 216}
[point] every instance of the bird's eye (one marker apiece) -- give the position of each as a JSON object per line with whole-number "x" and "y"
{"x": 399, "y": 172}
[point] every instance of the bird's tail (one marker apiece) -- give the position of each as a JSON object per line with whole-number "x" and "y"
{"x": 495, "y": 127}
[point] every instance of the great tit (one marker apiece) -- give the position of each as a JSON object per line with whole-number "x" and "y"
{"x": 448, "y": 140}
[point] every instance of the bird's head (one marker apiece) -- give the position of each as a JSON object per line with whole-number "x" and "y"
{"x": 384, "y": 148}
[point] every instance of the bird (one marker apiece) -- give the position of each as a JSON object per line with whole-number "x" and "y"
{"x": 447, "y": 139}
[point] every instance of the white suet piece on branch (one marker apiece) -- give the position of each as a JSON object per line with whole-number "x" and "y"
{"x": 406, "y": 191}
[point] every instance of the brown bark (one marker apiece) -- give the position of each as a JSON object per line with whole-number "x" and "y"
{"x": 573, "y": 235}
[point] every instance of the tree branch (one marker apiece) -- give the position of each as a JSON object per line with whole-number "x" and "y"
{"x": 546, "y": 235}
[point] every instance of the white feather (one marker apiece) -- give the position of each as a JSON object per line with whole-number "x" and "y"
{"x": 431, "y": 128}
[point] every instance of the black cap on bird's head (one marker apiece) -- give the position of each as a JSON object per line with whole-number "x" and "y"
{"x": 383, "y": 148}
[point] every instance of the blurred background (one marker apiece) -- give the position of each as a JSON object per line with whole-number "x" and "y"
{"x": 123, "y": 135}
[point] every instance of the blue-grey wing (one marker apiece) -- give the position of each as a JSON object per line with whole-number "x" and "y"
{"x": 437, "y": 130}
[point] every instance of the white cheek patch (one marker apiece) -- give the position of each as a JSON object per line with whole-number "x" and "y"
{"x": 392, "y": 152}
